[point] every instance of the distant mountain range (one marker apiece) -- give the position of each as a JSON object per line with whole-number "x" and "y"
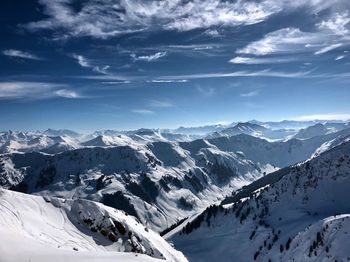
{"x": 271, "y": 183}
{"x": 56, "y": 141}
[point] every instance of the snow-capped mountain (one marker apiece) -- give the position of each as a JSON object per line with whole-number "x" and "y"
{"x": 319, "y": 130}
{"x": 152, "y": 135}
{"x": 167, "y": 179}
{"x": 298, "y": 214}
{"x": 242, "y": 128}
{"x": 50, "y": 141}
{"x": 61, "y": 132}
{"x": 40, "y": 229}
{"x": 148, "y": 135}
{"x": 311, "y": 131}
{"x": 55, "y": 141}
{"x": 255, "y": 130}
{"x": 104, "y": 141}
{"x": 280, "y": 153}
{"x": 200, "y": 130}
{"x": 159, "y": 182}
{"x": 293, "y": 124}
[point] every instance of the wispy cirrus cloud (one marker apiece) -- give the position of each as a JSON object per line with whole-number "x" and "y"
{"x": 286, "y": 40}
{"x": 67, "y": 93}
{"x": 259, "y": 60}
{"x": 143, "y": 111}
{"x": 34, "y": 91}
{"x": 339, "y": 57}
{"x": 192, "y": 50}
{"x": 84, "y": 62}
{"x": 329, "y": 34}
{"x": 112, "y": 78}
{"x": 116, "y": 82}
{"x": 149, "y": 58}
{"x": 167, "y": 81}
{"x": 161, "y": 103}
{"x": 261, "y": 73}
{"x": 327, "y": 48}
{"x": 250, "y": 94}
{"x": 103, "y": 19}
{"x": 193, "y": 47}
{"x": 20, "y": 54}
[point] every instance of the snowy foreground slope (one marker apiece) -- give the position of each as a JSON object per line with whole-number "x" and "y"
{"x": 302, "y": 216}
{"x": 36, "y": 229}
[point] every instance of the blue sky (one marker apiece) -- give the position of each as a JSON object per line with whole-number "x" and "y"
{"x": 90, "y": 65}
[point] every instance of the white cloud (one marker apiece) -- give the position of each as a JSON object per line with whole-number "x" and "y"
{"x": 106, "y": 18}
{"x": 328, "y": 35}
{"x": 112, "y": 78}
{"x": 160, "y": 103}
{"x": 192, "y": 50}
{"x": 101, "y": 69}
{"x": 259, "y": 60}
{"x": 66, "y": 93}
{"x": 251, "y": 94}
{"x": 339, "y": 57}
{"x": 20, "y": 54}
{"x": 286, "y": 40}
{"x": 116, "y": 82}
{"x": 143, "y": 111}
{"x": 34, "y": 90}
{"x": 17, "y": 90}
{"x": 261, "y": 73}
{"x": 167, "y": 81}
{"x": 212, "y": 32}
{"x": 327, "y": 49}
{"x": 194, "y": 47}
{"x": 149, "y": 58}
{"x": 337, "y": 24}
{"x": 206, "y": 47}
{"x": 103, "y": 19}
{"x": 84, "y": 62}
{"x": 343, "y": 117}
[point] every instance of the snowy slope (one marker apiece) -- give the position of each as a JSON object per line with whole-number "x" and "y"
{"x": 200, "y": 130}
{"x": 36, "y": 142}
{"x": 57, "y": 141}
{"x": 75, "y": 230}
{"x": 104, "y": 141}
{"x": 159, "y": 182}
{"x": 292, "y": 124}
{"x": 281, "y": 153}
{"x": 324, "y": 240}
{"x": 61, "y": 132}
{"x": 319, "y": 130}
{"x": 292, "y": 219}
{"x": 241, "y": 128}
{"x": 255, "y": 130}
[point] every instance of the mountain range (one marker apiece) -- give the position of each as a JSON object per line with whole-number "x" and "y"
{"x": 265, "y": 191}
